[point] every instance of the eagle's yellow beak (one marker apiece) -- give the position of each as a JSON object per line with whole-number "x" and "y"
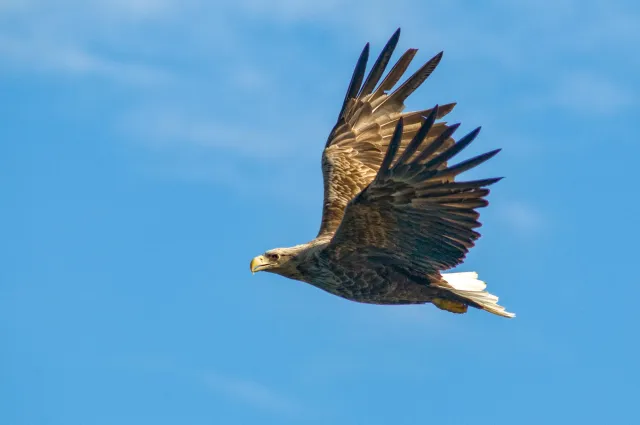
{"x": 256, "y": 263}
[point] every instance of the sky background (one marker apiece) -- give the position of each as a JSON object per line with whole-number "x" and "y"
{"x": 149, "y": 149}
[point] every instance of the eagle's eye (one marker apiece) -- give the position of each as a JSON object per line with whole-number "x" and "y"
{"x": 273, "y": 257}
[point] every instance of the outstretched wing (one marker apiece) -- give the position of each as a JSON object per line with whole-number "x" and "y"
{"x": 413, "y": 213}
{"x": 366, "y": 122}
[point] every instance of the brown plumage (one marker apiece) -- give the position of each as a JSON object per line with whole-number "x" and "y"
{"x": 393, "y": 215}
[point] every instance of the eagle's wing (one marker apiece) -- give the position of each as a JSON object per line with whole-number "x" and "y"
{"x": 357, "y": 143}
{"x": 413, "y": 212}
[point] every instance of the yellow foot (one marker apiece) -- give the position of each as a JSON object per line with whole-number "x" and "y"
{"x": 448, "y": 305}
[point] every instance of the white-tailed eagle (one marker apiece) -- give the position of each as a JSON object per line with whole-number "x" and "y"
{"x": 394, "y": 217}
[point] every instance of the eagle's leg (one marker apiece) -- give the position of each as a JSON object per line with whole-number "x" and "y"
{"x": 449, "y": 305}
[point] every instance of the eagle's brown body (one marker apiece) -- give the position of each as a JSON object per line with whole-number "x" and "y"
{"x": 371, "y": 283}
{"x": 393, "y": 216}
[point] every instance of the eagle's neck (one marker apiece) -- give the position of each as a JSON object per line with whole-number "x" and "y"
{"x": 302, "y": 255}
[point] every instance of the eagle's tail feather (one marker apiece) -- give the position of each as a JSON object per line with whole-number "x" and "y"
{"x": 467, "y": 285}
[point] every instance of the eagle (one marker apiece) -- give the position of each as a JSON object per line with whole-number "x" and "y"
{"x": 394, "y": 216}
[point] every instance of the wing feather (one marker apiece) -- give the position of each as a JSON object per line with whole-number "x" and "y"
{"x": 356, "y": 78}
{"x": 412, "y": 83}
{"x": 380, "y": 65}
{"x": 368, "y": 119}
{"x": 413, "y": 213}
{"x": 395, "y": 74}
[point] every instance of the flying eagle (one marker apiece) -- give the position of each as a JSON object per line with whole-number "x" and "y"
{"x": 393, "y": 216}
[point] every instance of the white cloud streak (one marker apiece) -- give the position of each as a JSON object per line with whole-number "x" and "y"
{"x": 253, "y": 393}
{"x": 587, "y": 93}
{"x": 173, "y": 129}
{"x": 522, "y": 218}
{"x": 245, "y": 391}
{"x": 44, "y": 57}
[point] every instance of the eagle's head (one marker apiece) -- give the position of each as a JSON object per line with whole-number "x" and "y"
{"x": 281, "y": 261}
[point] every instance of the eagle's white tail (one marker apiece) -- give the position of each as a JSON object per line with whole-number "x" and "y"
{"x": 467, "y": 285}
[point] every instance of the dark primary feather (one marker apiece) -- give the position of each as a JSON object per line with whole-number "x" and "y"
{"x": 413, "y": 82}
{"x": 467, "y": 165}
{"x": 453, "y": 150}
{"x": 437, "y": 144}
{"x": 380, "y": 65}
{"x": 394, "y": 144}
{"x": 356, "y": 78}
{"x": 396, "y": 72}
{"x": 419, "y": 137}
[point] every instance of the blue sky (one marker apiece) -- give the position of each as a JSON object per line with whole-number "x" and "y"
{"x": 149, "y": 149}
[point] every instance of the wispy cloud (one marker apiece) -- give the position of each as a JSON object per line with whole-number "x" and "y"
{"x": 246, "y": 391}
{"x": 253, "y": 394}
{"x": 172, "y": 128}
{"x": 522, "y": 218}
{"x": 586, "y": 93}
{"x": 44, "y": 57}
